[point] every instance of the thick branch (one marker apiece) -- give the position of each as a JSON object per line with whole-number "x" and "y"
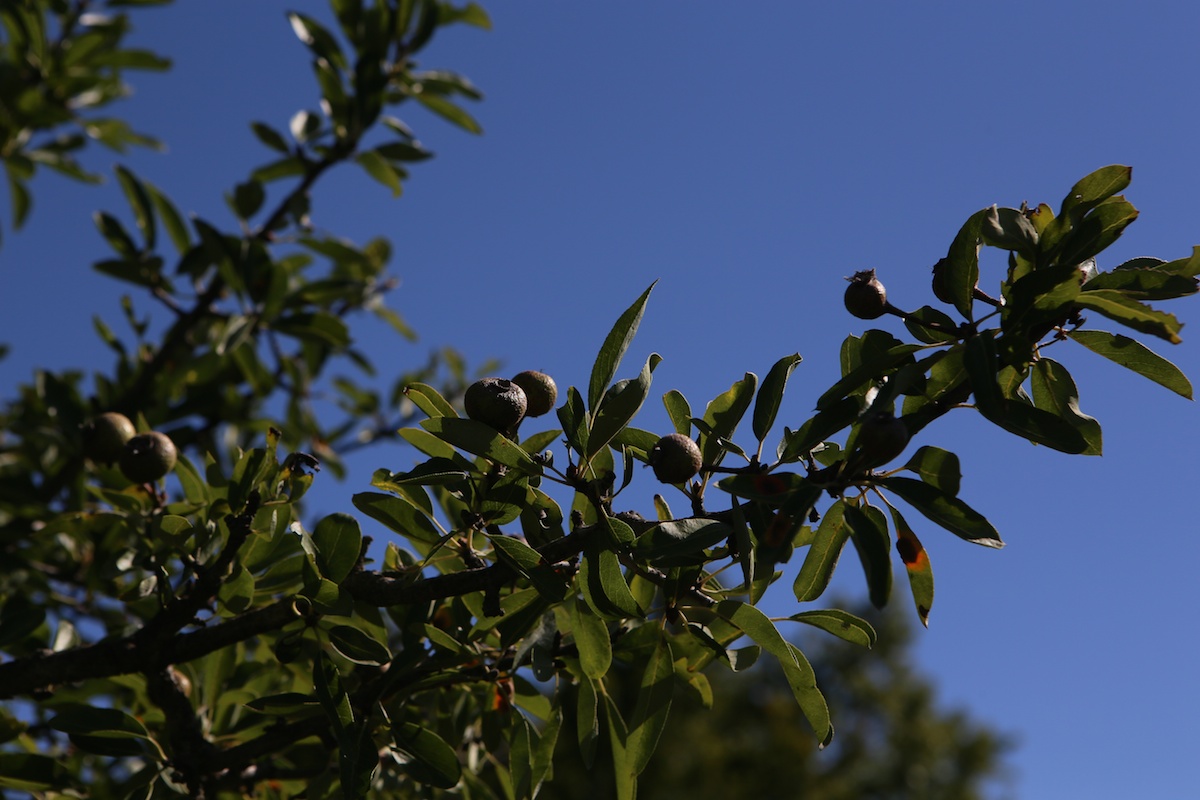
{"x": 128, "y": 654}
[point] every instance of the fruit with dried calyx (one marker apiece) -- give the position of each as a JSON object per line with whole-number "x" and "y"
{"x": 540, "y": 392}
{"x": 104, "y": 437}
{"x": 496, "y": 402}
{"x": 881, "y": 437}
{"x": 675, "y": 458}
{"x": 148, "y": 457}
{"x": 865, "y": 297}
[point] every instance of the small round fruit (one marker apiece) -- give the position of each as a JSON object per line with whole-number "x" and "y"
{"x": 148, "y": 457}
{"x": 496, "y": 402}
{"x": 540, "y": 392}
{"x": 881, "y": 438}
{"x": 865, "y": 296}
{"x": 675, "y": 458}
{"x": 104, "y": 437}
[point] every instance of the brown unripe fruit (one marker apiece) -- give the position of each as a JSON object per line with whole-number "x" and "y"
{"x": 148, "y": 457}
{"x": 865, "y": 297}
{"x": 104, "y": 437}
{"x": 881, "y": 438}
{"x": 675, "y": 458}
{"x": 540, "y": 392}
{"x": 496, "y": 402}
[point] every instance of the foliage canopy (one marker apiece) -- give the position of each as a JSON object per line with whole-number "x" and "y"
{"x": 196, "y": 637}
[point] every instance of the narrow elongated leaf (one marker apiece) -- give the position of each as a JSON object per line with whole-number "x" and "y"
{"x": 603, "y": 584}
{"x": 28, "y": 772}
{"x": 868, "y": 531}
{"x": 1132, "y": 314}
{"x": 1144, "y": 284}
{"x": 681, "y": 542}
{"x": 723, "y": 414}
{"x": 770, "y": 394}
{"x": 107, "y": 723}
{"x": 800, "y": 676}
{"x": 679, "y": 411}
{"x": 916, "y": 564}
{"x": 172, "y": 220}
{"x": 823, "y": 554}
{"x": 139, "y": 200}
{"x": 573, "y": 417}
{"x": 587, "y": 721}
{"x": 481, "y": 440}
{"x": 357, "y": 646}
{"x": 619, "y": 405}
{"x": 432, "y": 761}
{"x": 1096, "y": 231}
{"x": 653, "y": 704}
{"x": 1054, "y": 391}
{"x": 873, "y": 366}
{"x": 946, "y": 510}
{"x": 429, "y": 400}
{"x": 591, "y": 640}
{"x": 450, "y": 112}
{"x": 937, "y": 467}
{"x": 613, "y": 350}
{"x": 840, "y": 623}
{"x": 960, "y": 271}
{"x": 1188, "y": 267}
{"x": 398, "y": 515}
{"x": 1133, "y": 355}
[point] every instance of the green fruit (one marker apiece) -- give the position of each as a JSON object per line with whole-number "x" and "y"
{"x": 104, "y": 437}
{"x": 496, "y": 402}
{"x": 675, "y": 458}
{"x": 881, "y": 437}
{"x": 148, "y": 457}
{"x": 865, "y": 296}
{"x": 540, "y": 392}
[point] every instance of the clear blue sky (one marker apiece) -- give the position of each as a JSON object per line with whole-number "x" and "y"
{"x": 750, "y": 156}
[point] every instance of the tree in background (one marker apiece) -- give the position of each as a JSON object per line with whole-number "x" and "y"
{"x": 751, "y": 743}
{"x": 171, "y": 626}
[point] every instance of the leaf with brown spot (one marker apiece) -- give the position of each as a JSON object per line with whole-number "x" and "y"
{"x": 916, "y": 564}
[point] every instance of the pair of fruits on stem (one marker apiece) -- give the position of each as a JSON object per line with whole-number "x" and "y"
{"x": 142, "y": 457}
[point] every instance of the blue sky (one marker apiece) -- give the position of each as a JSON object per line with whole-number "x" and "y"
{"x": 750, "y": 157}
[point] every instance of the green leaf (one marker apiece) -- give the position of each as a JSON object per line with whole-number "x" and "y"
{"x": 723, "y": 414}
{"x": 1096, "y": 231}
{"x": 1016, "y": 417}
{"x": 603, "y": 584}
{"x": 1188, "y": 267}
{"x": 574, "y": 420}
{"x": 652, "y": 706}
{"x": 356, "y": 645}
{"x": 823, "y": 553}
{"x": 237, "y": 590}
{"x": 432, "y": 761}
{"x": 28, "y": 772}
{"x": 770, "y": 394}
{"x": 1144, "y": 284}
{"x": 479, "y": 439}
{"x": 114, "y": 232}
{"x": 317, "y": 39}
{"x": 937, "y": 467}
{"x": 381, "y": 170}
{"x": 681, "y": 542}
{"x": 1137, "y": 357}
{"x": 960, "y": 271}
{"x": 916, "y": 565}
{"x": 321, "y": 327}
{"x": 398, "y": 515}
{"x": 613, "y": 350}
{"x": 839, "y": 415}
{"x": 1054, "y": 391}
{"x": 800, "y": 676}
{"x": 1132, "y": 314}
{"x": 931, "y": 326}
{"x": 841, "y": 624}
{"x": 874, "y": 365}
{"x": 619, "y": 405}
{"x": 946, "y": 510}
{"x": 587, "y": 721}
{"x": 171, "y": 219}
{"x": 270, "y": 137}
{"x": 1089, "y": 192}
{"x": 429, "y": 400}
{"x": 592, "y": 640}
{"x": 139, "y": 200}
{"x": 679, "y": 411}
{"x": 868, "y": 531}
{"x": 450, "y": 111}
{"x": 247, "y": 199}
{"x": 107, "y": 723}
{"x": 339, "y": 545}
